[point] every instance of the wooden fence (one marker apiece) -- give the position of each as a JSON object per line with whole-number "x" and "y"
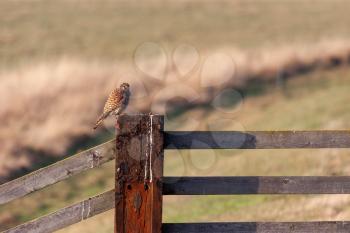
{"x": 137, "y": 198}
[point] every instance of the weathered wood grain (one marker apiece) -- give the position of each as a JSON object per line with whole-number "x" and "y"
{"x": 181, "y": 140}
{"x": 139, "y": 172}
{"x": 138, "y": 202}
{"x": 257, "y": 139}
{"x": 256, "y": 185}
{"x": 258, "y": 227}
{"x": 56, "y": 172}
{"x": 68, "y": 216}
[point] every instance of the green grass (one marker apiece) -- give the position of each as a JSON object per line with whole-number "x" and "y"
{"x": 206, "y": 208}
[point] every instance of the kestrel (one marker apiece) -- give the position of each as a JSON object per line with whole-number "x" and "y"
{"x": 116, "y": 103}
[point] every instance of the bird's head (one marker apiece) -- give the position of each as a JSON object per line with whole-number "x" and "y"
{"x": 125, "y": 86}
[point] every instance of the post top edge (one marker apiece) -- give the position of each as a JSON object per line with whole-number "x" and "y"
{"x": 141, "y": 114}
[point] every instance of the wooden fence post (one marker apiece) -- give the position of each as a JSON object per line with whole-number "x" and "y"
{"x": 139, "y": 171}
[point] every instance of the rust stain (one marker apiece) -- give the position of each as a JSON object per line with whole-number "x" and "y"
{"x": 135, "y": 207}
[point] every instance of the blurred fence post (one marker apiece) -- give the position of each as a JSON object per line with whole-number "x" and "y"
{"x": 139, "y": 171}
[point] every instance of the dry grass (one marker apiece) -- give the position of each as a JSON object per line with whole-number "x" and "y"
{"x": 46, "y": 106}
{"x": 317, "y": 101}
{"x": 59, "y": 60}
{"x": 109, "y": 29}
{"x": 324, "y": 94}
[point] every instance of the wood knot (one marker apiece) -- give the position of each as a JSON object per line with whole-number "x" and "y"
{"x": 137, "y": 202}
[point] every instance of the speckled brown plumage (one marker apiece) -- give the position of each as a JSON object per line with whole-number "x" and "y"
{"x": 116, "y": 103}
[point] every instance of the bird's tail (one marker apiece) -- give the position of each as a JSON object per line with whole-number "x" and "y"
{"x": 100, "y": 120}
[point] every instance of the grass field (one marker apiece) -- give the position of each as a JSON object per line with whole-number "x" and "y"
{"x": 36, "y": 30}
{"x": 272, "y": 111}
{"x": 59, "y": 58}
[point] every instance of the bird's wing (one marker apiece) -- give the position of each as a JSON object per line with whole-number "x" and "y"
{"x": 114, "y": 101}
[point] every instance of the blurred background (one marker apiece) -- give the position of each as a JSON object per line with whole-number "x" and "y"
{"x": 207, "y": 65}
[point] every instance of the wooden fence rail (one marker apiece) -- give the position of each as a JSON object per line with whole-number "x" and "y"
{"x": 68, "y": 215}
{"x": 56, "y": 172}
{"x": 256, "y": 185}
{"x": 140, "y": 185}
{"x": 259, "y": 227}
{"x": 257, "y": 139}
